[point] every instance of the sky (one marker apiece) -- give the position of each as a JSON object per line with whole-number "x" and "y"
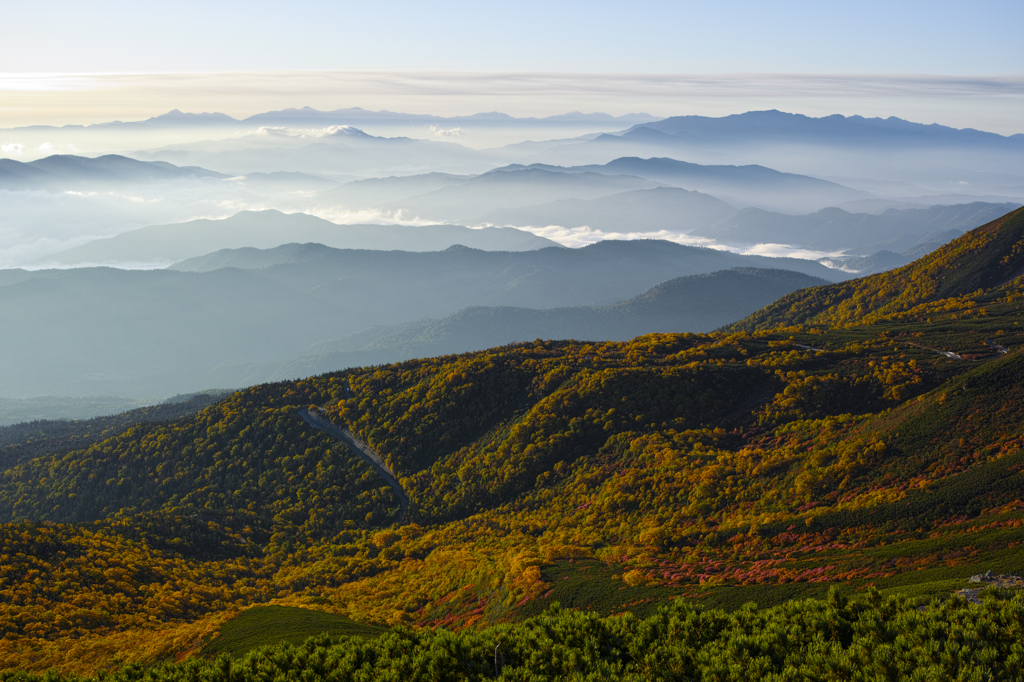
{"x": 74, "y": 62}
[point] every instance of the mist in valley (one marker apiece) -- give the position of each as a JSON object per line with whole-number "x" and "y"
{"x": 148, "y": 259}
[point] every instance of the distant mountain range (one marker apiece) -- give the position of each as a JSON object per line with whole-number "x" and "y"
{"x": 739, "y": 185}
{"x": 696, "y": 303}
{"x": 662, "y": 208}
{"x": 469, "y": 200}
{"x": 64, "y": 171}
{"x": 379, "y": 192}
{"x": 628, "y": 195}
{"x": 777, "y": 126}
{"x": 834, "y": 229}
{"x": 932, "y": 158}
{"x": 334, "y": 152}
{"x": 267, "y": 229}
{"x": 984, "y": 261}
{"x": 307, "y": 116}
{"x": 458, "y": 198}
{"x": 102, "y": 331}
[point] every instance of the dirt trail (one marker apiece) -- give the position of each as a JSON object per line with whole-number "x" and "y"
{"x": 361, "y": 449}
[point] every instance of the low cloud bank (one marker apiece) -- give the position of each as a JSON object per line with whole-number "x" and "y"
{"x": 451, "y": 132}
{"x": 581, "y": 236}
{"x": 329, "y": 131}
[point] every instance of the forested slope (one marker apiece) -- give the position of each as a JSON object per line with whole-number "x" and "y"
{"x": 765, "y": 465}
{"x": 982, "y": 259}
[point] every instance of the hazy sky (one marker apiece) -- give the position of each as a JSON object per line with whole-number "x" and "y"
{"x": 567, "y": 52}
{"x": 659, "y": 36}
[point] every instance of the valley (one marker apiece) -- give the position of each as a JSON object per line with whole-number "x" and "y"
{"x": 413, "y": 346}
{"x": 796, "y": 452}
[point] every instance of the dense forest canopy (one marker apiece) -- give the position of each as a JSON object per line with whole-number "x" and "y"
{"x": 856, "y": 435}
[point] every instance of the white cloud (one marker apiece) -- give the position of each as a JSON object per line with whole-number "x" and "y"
{"x": 36, "y": 223}
{"x": 343, "y": 131}
{"x": 13, "y": 149}
{"x": 278, "y": 130}
{"x": 786, "y": 251}
{"x": 581, "y": 236}
{"x": 344, "y": 216}
{"x": 46, "y": 148}
{"x": 451, "y": 132}
{"x": 283, "y": 131}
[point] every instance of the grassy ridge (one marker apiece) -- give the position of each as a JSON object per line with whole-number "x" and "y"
{"x": 272, "y": 625}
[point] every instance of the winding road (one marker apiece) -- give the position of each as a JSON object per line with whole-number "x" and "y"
{"x": 999, "y": 349}
{"x": 361, "y": 449}
{"x": 949, "y": 354}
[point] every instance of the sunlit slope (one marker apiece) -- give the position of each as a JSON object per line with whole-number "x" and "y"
{"x": 245, "y": 454}
{"x": 722, "y": 467}
{"x": 984, "y": 258}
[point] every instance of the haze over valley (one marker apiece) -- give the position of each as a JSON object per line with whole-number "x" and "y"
{"x": 308, "y": 220}
{"x": 345, "y": 342}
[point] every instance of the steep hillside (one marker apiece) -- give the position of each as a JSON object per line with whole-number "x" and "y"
{"x": 27, "y": 438}
{"x": 615, "y": 476}
{"x": 717, "y": 467}
{"x": 985, "y": 258}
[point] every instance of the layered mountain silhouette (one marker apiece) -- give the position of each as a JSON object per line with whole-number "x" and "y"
{"x": 774, "y": 126}
{"x": 651, "y": 210}
{"x": 930, "y": 158}
{"x": 63, "y": 172}
{"x": 103, "y": 331}
{"x": 696, "y": 303}
{"x": 751, "y": 185}
{"x": 378, "y": 192}
{"x": 517, "y": 186}
{"x": 267, "y": 229}
{"x": 338, "y": 152}
{"x": 514, "y": 187}
{"x": 465, "y": 198}
{"x": 833, "y": 229}
{"x": 985, "y": 258}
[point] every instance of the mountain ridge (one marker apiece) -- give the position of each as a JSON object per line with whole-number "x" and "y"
{"x": 271, "y": 228}
{"x": 68, "y": 171}
{"x": 745, "y": 465}
{"x": 986, "y": 257}
{"x": 747, "y": 185}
